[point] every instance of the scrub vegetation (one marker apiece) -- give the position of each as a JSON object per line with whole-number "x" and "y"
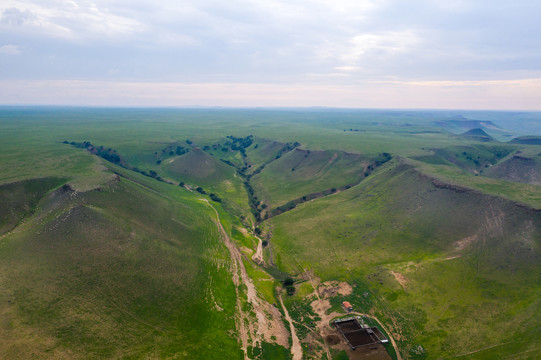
{"x": 212, "y": 234}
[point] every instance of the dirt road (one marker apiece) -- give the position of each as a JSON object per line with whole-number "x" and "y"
{"x": 267, "y": 325}
{"x": 296, "y": 348}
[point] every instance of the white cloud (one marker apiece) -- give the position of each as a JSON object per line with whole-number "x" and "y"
{"x": 314, "y": 42}
{"x": 10, "y": 50}
{"x": 65, "y": 19}
{"x": 366, "y": 52}
{"x": 391, "y": 43}
{"x": 15, "y": 17}
{"x": 347, "y": 68}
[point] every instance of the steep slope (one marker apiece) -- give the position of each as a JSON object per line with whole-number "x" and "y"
{"x": 473, "y": 158}
{"x": 518, "y": 168}
{"x": 265, "y": 150}
{"x": 117, "y": 272}
{"x": 199, "y": 169}
{"x": 430, "y": 258}
{"x": 18, "y": 200}
{"x": 301, "y": 172}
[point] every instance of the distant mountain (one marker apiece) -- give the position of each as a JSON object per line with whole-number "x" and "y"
{"x": 467, "y": 124}
{"x": 477, "y": 134}
{"x": 527, "y": 140}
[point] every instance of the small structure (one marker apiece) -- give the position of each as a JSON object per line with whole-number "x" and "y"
{"x": 347, "y": 306}
{"x": 357, "y": 335}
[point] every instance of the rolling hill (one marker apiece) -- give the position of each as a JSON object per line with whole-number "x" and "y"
{"x": 433, "y": 258}
{"x": 433, "y": 238}
{"x": 120, "y": 271}
{"x": 302, "y": 172}
{"x": 477, "y": 135}
{"x": 518, "y": 168}
{"x": 199, "y": 169}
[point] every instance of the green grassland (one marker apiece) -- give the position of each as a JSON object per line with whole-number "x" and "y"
{"x": 199, "y": 169}
{"x": 123, "y": 270}
{"x": 518, "y": 168}
{"x": 442, "y": 243}
{"x": 468, "y": 260}
{"x": 264, "y": 151}
{"x": 473, "y": 159}
{"x": 301, "y": 172}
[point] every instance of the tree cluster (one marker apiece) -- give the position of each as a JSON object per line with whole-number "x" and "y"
{"x": 108, "y": 154}
{"x": 288, "y": 285}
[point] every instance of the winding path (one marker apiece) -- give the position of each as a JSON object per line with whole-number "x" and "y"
{"x": 296, "y": 348}
{"x": 268, "y": 325}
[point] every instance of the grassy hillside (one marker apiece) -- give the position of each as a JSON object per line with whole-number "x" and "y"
{"x": 301, "y": 172}
{"x": 19, "y": 200}
{"x": 518, "y": 168}
{"x": 527, "y": 140}
{"x": 436, "y": 258}
{"x": 199, "y": 169}
{"x": 474, "y": 159}
{"x": 264, "y": 151}
{"x": 440, "y": 244}
{"x": 477, "y": 135}
{"x": 117, "y": 272}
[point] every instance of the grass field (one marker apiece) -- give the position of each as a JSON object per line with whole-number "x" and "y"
{"x": 441, "y": 244}
{"x": 130, "y": 269}
{"x": 437, "y": 259}
{"x": 302, "y": 172}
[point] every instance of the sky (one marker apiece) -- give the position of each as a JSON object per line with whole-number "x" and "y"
{"x": 451, "y": 54}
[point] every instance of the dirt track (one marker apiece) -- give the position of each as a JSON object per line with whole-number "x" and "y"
{"x": 267, "y": 325}
{"x": 268, "y": 319}
{"x": 296, "y": 347}
{"x": 258, "y": 255}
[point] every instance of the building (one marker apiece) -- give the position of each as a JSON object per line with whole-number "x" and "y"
{"x": 347, "y": 306}
{"x": 359, "y": 334}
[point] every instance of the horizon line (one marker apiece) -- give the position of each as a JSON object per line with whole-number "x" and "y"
{"x": 255, "y": 107}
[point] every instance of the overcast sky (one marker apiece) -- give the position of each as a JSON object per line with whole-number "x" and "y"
{"x": 475, "y": 54}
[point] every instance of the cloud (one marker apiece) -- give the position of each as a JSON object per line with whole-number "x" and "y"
{"x": 376, "y": 45}
{"x": 15, "y": 17}
{"x": 10, "y": 50}
{"x": 312, "y": 42}
{"x": 347, "y": 68}
{"x": 74, "y": 20}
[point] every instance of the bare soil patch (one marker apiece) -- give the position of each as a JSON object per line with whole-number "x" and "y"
{"x": 333, "y": 339}
{"x": 333, "y": 288}
{"x": 258, "y": 255}
{"x": 464, "y": 243}
{"x": 401, "y": 279}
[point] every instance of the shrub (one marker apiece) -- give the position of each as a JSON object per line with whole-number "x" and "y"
{"x": 290, "y": 290}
